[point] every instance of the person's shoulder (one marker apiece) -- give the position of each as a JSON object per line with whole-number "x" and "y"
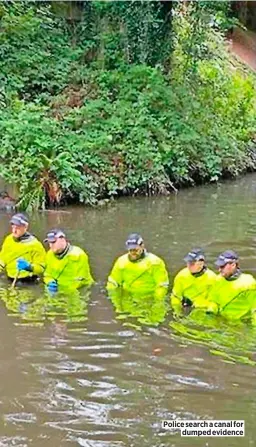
{"x": 122, "y": 260}
{"x": 35, "y": 238}
{"x": 8, "y": 238}
{"x": 248, "y": 278}
{"x": 32, "y": 238}
{"x": 183, "y": 273}
{"x": 220, "y": 278}
{"x": 50, "y": 254}
{"x": 154, "y": 258}
{"x": 210, "y": 273}
{"x": 77, "y": 251}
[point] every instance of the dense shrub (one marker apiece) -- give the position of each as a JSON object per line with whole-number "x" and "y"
{"x": 75, "y": 128}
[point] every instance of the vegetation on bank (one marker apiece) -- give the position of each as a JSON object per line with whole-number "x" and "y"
{"x": 114, "y": 98}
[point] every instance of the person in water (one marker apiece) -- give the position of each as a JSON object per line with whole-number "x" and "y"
{"x": 192, "y": 283}
{"x": 234, "y": 292}
{"x": 139, "y": 272}
{"x": 22, "y": 255}
{"x": 67, "y": 266}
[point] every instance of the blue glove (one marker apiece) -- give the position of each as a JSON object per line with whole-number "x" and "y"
{"x": 52, "y": 286}
{"x": 22, "y": 264}
{"x": 23, "y": 307}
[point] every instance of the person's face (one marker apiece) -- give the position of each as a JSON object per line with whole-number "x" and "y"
{"x": 58, "y": 245}
{"x": 135, "y": 253}
{"x": 228, "y": 269}
{"x": 18, "y": 230}
{"x": 195, "y": 266}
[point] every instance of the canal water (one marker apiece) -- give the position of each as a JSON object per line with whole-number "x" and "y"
{"x": 79, "y": 370}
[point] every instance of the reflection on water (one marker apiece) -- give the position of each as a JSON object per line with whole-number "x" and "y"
{"x": 76, "y": 371}
{"x": 38, "y": 307}
{"x": 233, "y": 341}
{"x": 144, "y": 310}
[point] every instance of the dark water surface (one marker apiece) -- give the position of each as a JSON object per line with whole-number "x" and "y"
{"x": 79, "y": 371}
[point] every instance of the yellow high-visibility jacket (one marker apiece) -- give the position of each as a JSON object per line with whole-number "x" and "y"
{"x": 71, "y": 272}
{"x": 30, "y": 249}
{"x": 192, "y": 288}
{"x": 144, "y": 277}
{"x": 236, "y": 299}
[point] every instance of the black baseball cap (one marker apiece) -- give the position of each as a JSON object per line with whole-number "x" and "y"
{"x": 196, "y": 254}
{"x": 19, "y": 219}
{"x": 54, "y": 234}
{"x": 226, "y": 257}
{"x": 133, "y": 241}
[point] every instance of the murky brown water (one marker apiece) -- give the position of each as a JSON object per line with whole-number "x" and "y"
{"x": 73, "y": 372}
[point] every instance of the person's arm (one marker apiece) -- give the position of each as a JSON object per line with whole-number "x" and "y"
{"x": 252, "y": 302}
{"x": 177, "y": 295}
{"x": 48, "y": 269}
{"x": 253, "y": 307}
{"x": 212, "y": 305}
{"x": 115, "y": 278}
{"x": 201, "y": 299}
{"x": 161, "y": 279}
{"x": 118, "y": 296}
{"x": 3, "y": 253}
{"x": 83, "y": 270}
{"x": 38, "y": 259}
{"x": 48, "y": 278}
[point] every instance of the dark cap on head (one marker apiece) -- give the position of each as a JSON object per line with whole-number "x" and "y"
{"x": 133, "y": 241}
{"x": 226, "y": 257}
{"x": 196, "y": 254}
{"x": 19, "y": 219}
{"x": 54, "y": 234}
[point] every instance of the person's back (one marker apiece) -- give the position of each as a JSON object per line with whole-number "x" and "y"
{"x": 234, "y": 292}
{"x": 67, "y": 266}
{"x": 139, "y": 272}
{"x": 22, "y": 254}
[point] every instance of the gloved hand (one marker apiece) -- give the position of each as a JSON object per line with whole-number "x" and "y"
{"x": 22, "y": 264}
{"x": 23, "y": 307}
{"x": 52, "y": 286}
{"x": 212, "y": 308}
